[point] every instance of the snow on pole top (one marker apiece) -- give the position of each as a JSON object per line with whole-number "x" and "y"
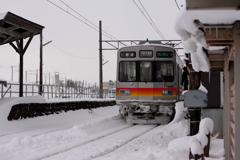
{"x": 203, "y": 139}
{"x": 195, "y": 146}
{"x": 192, "y": 140}
{"x": 206, "y": 123}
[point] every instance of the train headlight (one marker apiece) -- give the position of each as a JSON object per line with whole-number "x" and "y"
{"x": 167, "y": 92}
{"x": 125, "y": 92}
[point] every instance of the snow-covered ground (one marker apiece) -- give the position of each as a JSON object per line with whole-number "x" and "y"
{"x": 100, "y": 134}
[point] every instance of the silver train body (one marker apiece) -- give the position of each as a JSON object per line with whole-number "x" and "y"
{"x": 148, "y": 83}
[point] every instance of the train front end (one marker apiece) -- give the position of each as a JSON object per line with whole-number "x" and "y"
{"x": 147, "y": 83}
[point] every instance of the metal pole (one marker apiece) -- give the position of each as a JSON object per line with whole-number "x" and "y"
{"x": 36, "y": 76}
{"x": 100, "y": 61}
{"x": 12, "y": 73}
{"x": 21, "y": 68}
{"x": 41, "y": 70}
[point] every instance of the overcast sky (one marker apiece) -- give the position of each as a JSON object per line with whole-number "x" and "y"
{"x": 74, "y": 48}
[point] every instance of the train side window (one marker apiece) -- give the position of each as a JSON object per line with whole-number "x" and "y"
{"x": 127, "y": 71}
{"x": 164, "y": 71}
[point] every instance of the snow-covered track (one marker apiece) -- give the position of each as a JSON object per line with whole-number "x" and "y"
{"x": 63, "y": 126}
{"x": 55, "y": 142}
{"x": 105, "y": 144}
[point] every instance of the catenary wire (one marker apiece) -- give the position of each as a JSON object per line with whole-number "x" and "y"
{"x": 87, "y": 19}
{"x": 69, "y": 53}
{"x": 93, "y": 27}
{"x": 177, "y": 4}
{"x": 147, "y": 19}
{"x": 152, "y": 20}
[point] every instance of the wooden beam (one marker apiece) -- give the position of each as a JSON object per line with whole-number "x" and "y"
{"x": 7, "y": 39}
{"x": 231, "y": 52}
{"x": 14, "y": 47}
{"x": 28, "y": 42}
{"x": 11, "y": 33}
{"x": 220, "y": 33}
{"x": 217, "y": 64}
{"x": 3, "y": 36}
{"x": 12, "y": 28}
{"x": 20, "y": 46}
{"x": 216, "y": 57}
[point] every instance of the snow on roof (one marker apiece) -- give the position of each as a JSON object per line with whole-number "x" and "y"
{"x": 189, "y": 26}
{"x": 2, "y": 15}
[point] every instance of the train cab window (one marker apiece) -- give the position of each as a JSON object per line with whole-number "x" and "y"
{"x": 146, "y": 71}
{"x": 164, "y": 71}
{"x": 127, "y": 71}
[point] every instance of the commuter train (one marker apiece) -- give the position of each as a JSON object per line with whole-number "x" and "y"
{"x": 148, "y": 83}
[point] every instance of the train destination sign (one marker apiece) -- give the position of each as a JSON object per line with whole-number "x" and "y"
{"x": 127, "y": 54}
{"x": 164, "y": 54}
{"x": 146, "y": 54}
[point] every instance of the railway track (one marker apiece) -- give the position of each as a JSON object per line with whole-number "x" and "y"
{"x": 99, "y": 138}
{"x": 103, "y": 145}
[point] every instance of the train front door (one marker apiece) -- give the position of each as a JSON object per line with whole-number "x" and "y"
{"x": 146, "y": 81}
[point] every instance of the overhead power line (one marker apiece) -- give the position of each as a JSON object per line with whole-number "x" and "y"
{"x": 149, "y": 19}
{"x": 71, "y": 54}
{"x": 177, "y": 4}
{"x": 86, "y": 22}
{"x": 158, "y": 31}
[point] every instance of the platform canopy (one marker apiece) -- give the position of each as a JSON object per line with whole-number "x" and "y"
{"x": 13, "y": 27}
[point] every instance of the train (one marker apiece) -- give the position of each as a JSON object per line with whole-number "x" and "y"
{"x": 148, "y": 82}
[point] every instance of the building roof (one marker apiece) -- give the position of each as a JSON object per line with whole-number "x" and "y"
{"x": 14, "y": 27}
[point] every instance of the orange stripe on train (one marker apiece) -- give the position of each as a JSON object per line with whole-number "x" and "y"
{"x": 147, "y": 91}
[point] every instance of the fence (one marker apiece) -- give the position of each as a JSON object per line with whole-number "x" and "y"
{"x": 50, "y": 91}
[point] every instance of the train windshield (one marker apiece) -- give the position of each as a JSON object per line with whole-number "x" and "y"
{"x": 146, "y": 71}
{"x": 127, "y": 71}
{"x": 164, "y": 71}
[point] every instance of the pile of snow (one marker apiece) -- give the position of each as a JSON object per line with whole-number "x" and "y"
{"x": 47, "y": 135}
{"x": 189, "y": 26}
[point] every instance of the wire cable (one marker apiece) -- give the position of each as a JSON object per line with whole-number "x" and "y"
{"x": 151, "y": 22}
{"x": 158, "y": 31}
{"x": 88, "y": 20}
{"x": 69, "y": 53}
{"x": 91, "y": 26}
{"x": 177, "y": 4}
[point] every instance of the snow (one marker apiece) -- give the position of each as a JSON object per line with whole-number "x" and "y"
{"x": 2, "y": 15}
{"x": 100, "y": 134}
{"x": 189, "y": 26}
{"x": 202, "y": 88}
{"x": 207, "y": 123}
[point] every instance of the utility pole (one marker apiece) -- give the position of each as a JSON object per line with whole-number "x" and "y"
{"x": 12, "y": 73}
{"x": 195, "y": 113}
{"x": 100, "y": 61}
{"x": 26, "y": 76}
{"x": 40, "y": 67}
{"x": 37, "y": 76}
